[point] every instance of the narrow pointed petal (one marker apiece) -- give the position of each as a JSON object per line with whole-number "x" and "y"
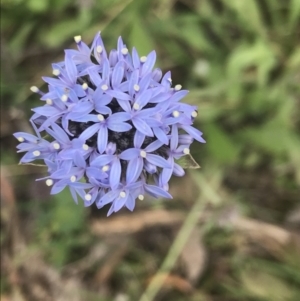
{"x": 102, "y": 160}
{"x": 149, "y": 64}
{"x": 142, "y": 126}
{"x": 156, "y": 191}
{"x": 161, "y": 135}
{"x": 102, "y": 139}
{"x": 158, "y": 161}
{"x": 115, "y": 174}
{"x": 153, "y": 146}
{"x": 119, "y": 203}
{"x": 129, "y": 154}
{"x": 130, "y": 203}
{"x": 134, "y": 170}
{"x": 196, "y": 134}
{"x": 89, "y": 132}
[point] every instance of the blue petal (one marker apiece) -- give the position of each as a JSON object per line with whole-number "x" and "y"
{"x": 142, "y": 126}
{"x": 108, "y": 198}
{"x": 134, "y": 77}
{"x": 46, "y": 110}
{"x": 178, "y": 170}
{"x": 130, "y": 203}
{"x": 143, "y": 98}
{"x": 120, "y": 127}
{"x": 135, "y": 59}
{"x": 129, "y": 154}
{"x": 118, "y": 74}
{"x": 158, "y": 161}
{"x": 174, "y": 138}
{"x": 118, "y": 95}
{"x": 179, "y": 95}
{"x": 145, "y": 82}
{"x": 149, "y": 64}
{"x": 138, "y": 139}
{"x": 161, "y": 135}
{"x": 79, "y": 160}
{"x": 90, "y": 131}
{"x": 102, "y": 160}
{"x": 153, "y": 146}
{"x": 60, "y": 134}
{"x": 119, "y": 203}
{"x": 105, "y": 70}
{"x": 196, "y": 134}
{"x": 156, "y": 191}
{"x": 115, "y": 174}
{"x": 134, "y": 169}
{"x": 167, "y": 172}
{"x": 71, "y": 69}
{"x": 102, "y": 139}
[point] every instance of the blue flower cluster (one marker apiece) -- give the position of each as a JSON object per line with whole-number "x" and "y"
{"x": 111, "y": 128}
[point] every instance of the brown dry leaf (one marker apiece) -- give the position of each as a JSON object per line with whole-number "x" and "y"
{"x": 194, "y": 256}
{"x": 271, "y": 237}
{"x": 266, "y": 286}
{"x": 135, "y": 222}
{"x": 175, "y": 282}
{"x": 107, "y": 269}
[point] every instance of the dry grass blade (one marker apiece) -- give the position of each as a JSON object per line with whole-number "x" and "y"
{"x": 175, "y": 250}
{"x": 135, "y": 222}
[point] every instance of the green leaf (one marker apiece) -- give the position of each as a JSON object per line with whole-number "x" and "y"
{"x": 140, "y": 37}
{"x": 188, "y": 162}
{"x": 294, "y": 12}
{"x": 220, "y": 144}
{"x": 248, "y": 12}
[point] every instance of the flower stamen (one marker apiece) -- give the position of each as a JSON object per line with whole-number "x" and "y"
{"x": 88, "y": 197}
{"x": 49, "y": 182}
{"x": 36, "y": 153}
{"x": 122, "y": 194}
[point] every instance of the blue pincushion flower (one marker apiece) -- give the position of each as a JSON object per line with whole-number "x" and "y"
{"x": 111, "y": 128}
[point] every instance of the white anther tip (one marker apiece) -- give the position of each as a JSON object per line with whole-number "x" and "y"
{"x": 49, "y": 101}
{"x": 177, "y": 87}
{"x": 84, "y": 86}
{"x": 88, "y": 197}
{"x": 34, "y": 89}
{"x": 20, "y": 139}
{"x": 136, "y": 88}
{"x": 56, "y": 145}
{"x": 175, "y": 114}
{"x": 56, "y": 72}
{"x": 77, "y": 39}
{"x": 36, "y": 153}
{"x": 73, "y": 179}
{"x": 143, "y": 154}
{"x": 99, "y": 49}
{"x": 85, "y": 147}
{"x": 124, "y": 51}
{"x": 49, "y": 182}
{"x": 105, "y": 168}
{"x": 186, "y": 151}
{"x": 141, "y": 197}
{"x": 136, "y": 106}
{"x": 194, "y": 114}
{"x": 100, "y": 117}
{"x": 122, "y": 194}
{"x": 143, "y": 59}
{"x": 104, "y": 87}
{"x": 64, "y": 98}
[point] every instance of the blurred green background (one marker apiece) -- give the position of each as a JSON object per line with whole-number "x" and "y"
{"x": 240, "y": 59}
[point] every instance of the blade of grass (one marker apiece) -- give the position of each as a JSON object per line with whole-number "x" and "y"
{"x": 181, "y": 239}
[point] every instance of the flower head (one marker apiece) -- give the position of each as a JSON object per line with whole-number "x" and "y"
{"x": 112, "y": 126}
